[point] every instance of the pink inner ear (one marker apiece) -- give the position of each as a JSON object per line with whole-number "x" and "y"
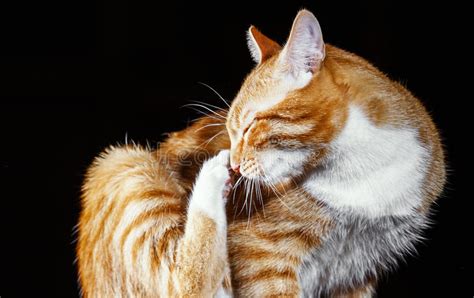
{"x": 305, "y": 46}
{"x": 267, "y": 47}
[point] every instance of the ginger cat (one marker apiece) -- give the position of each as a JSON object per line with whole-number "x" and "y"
{"x": 335, "y": 170}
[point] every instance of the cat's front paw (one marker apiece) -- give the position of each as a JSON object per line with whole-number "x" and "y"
{"x": 212, "y": 186}
{"x": 214, "y": 174}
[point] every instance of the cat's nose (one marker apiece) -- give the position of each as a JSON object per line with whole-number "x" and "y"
{"x": 236, "y": 168}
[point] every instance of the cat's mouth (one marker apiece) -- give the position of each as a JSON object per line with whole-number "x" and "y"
{"x": 251, "y": 170}
{"x": 251, "y": 189}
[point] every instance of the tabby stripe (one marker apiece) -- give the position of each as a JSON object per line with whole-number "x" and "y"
{"x": 111, "y": 187}
{"x": 163, "y": 250}
{"x": 278, "y": 236}
{"x": 162, "y": 245}
{"x": 99, "y": 230}
{"x": 293, "y": 120}
{"x": 130, "y": 209}
{"x": 268, "y": 275}
{"x": 257, "y": 255}
{"x": 118, "y": 196}
{"x": 127, "y": 250}
{"x": 157, "y": 213}
{"x": 140, "y": 242}
{"x": 142, "y": 261}
{"x": 158, "y": 248}
{"x": 242, "y": 267}
{"x": 264, "y": 242}
{"x": 158, "y": 193}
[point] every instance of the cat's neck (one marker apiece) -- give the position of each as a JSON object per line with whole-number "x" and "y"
{"x": 371, "y": 170}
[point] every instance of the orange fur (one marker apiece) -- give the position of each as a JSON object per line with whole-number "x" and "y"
{"x": 265, "y": 246}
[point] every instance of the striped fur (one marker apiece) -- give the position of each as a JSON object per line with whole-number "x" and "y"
{"x": 338, "y": 167}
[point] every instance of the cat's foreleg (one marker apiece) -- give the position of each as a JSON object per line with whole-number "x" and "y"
{"x": 201, "y": 260}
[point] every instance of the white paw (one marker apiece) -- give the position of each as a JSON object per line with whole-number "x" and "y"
{"x": 212, "y": 187}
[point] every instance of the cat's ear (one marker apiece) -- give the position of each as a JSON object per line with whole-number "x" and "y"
{"x": 304, "y": 50}
{"x": 261, "y": 47}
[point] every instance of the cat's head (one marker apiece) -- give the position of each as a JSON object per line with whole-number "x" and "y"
{"x": 288, "y": 108}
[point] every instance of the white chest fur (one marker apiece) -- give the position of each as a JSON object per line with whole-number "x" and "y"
{"x": 372, "y": 171}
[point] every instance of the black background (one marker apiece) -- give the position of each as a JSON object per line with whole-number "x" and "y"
{"x": 80, "y": 75}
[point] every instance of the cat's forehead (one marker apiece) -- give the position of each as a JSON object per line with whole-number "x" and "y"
{"x": 250, "y": 104}
{"x": 259, "y": 93}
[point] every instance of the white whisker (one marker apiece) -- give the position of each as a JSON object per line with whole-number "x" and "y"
{"x": 236, "y": 185}
{"x": 207, "y": 115}
{"x": 209, "y": 125}
{"x": 252, "y": 183}
{"x": 209, "y": 105}
{"x": 246, "y": 189}
{"x": 260, "y": 196}
{"x": 215, "y": 136}
{"x": 275, "y": 191}
{"x": 204, "y": 107}
{"x": 279, "y": 195}
{"x": 217, "y": 93}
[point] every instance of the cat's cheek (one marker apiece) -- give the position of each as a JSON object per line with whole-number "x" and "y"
{"x": 279, "y": 165}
